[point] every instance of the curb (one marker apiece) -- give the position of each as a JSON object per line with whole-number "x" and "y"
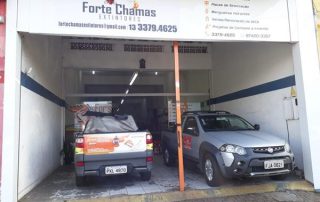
{"x": 208, "y": 193}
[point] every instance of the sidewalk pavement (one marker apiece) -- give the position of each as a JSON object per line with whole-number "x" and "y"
{"x": 295, "y": 196}
{"x": 287, "y": 191}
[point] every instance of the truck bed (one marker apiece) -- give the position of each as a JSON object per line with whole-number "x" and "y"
{"x": 169, "y": 139}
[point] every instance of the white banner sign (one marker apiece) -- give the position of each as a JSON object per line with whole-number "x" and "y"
{"x": 172, "y": 110}
{"x": 100, "y": 106}
{"x": 192, "y": 20}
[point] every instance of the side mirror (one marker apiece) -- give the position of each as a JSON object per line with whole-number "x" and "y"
{"x": 194, "y": 131}
{"x": 256, "y": 126}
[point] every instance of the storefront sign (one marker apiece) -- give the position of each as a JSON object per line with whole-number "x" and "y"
{"x": 193, "y": 20}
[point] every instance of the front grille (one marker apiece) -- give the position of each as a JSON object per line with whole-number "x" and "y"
{"x": 264, "y": 150}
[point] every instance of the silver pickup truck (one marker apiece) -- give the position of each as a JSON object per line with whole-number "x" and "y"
{"x": 227, "y": 146}
{"x": 112, "y": 145}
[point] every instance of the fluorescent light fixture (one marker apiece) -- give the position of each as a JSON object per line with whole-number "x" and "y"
{"x": 133, "y": 78}
{"x": 127, "y": 91}
{"x": 122, "y": 101}
{"x": 156, "y": 73}
{"x": 93, "y": 72}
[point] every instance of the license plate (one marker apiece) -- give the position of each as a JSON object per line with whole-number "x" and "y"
{"x": 113, "y": 170}
{"x": 273, "y": 164}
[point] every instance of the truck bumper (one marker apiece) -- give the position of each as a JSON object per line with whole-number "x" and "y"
{"x": 252, "y": 165}
{"x": 94, "y": 165}
{"x": 101, "y": 171}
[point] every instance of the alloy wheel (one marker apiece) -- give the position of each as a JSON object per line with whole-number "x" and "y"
{"x": 166, "y": 155}
{"x": 208, "y": 169}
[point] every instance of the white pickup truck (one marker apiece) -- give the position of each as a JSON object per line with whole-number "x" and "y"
{"x": 225, "y": 145}
{"x": 112, "y": 145}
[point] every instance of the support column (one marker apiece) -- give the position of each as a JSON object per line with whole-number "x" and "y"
{"x": 307, "y": 73}
{"x": 178, "y": 113}
{"x": 9, "y": 185}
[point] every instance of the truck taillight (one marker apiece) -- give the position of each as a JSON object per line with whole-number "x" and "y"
{"x": 149, "y": 139}
{"x": 149, "y": 159}
{"x": 79, "y": 163}
{"x": 79, "y": 143}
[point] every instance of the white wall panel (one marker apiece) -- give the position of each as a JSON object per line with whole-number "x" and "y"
{"x": 40, "y": 140}
{"x": 43, "y": 55}
{"x": 266, "y": 109}
{"x": 238, "y": 66}
{"x": 41, "y": 128}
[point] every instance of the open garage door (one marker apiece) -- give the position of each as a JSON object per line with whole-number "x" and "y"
{"x": 251, "y": 55}
{"x": 137, "y": 78}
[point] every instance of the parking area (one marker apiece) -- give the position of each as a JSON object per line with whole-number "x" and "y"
{"x": 60, "y": 186}
{"x": 136, "y": 78}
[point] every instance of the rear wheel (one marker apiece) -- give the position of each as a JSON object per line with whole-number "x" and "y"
{"x": 80, "y": 181}
{"x": 145, "y": 176}
{"x": 279, "y": 177}
{"x": 211, "y": 171}
{"x": 168, "y": 158}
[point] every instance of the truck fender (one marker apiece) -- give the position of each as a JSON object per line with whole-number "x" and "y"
{"x": 207, "y": 147}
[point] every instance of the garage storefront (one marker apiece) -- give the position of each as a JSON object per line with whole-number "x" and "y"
{"x": 255, "y": 67}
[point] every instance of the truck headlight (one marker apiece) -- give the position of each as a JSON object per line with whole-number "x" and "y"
{"x": 229, "y": 148}
{"x": 287, "y": 147}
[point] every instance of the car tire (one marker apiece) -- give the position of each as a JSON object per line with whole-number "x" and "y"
{"x": 278, "y": 177}
{"x": 168, "y": 158}
{"x": 145, "y": 176}
{"x": 211, "y": 171}
{"x": 80, "y": 181}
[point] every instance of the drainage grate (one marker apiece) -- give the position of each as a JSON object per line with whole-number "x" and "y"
{"x": 192, "y": 49}
{"x": 142, "y": 48}
{"x": 91, "y": 46}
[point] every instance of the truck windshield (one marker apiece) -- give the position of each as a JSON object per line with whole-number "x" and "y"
{"x": 224, "y": 123}
{"x": 110, "y": 124}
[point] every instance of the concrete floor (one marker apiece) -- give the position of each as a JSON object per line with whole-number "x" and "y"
{"x": 293, "y": 196}
{"x": 60, "y": 185}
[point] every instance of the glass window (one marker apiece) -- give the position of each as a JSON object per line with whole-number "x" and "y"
{"x": 190, "y": 126}
{"x": 224, "y": 123}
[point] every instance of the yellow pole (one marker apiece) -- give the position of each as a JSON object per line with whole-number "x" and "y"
{"x": 178, "y": 109}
